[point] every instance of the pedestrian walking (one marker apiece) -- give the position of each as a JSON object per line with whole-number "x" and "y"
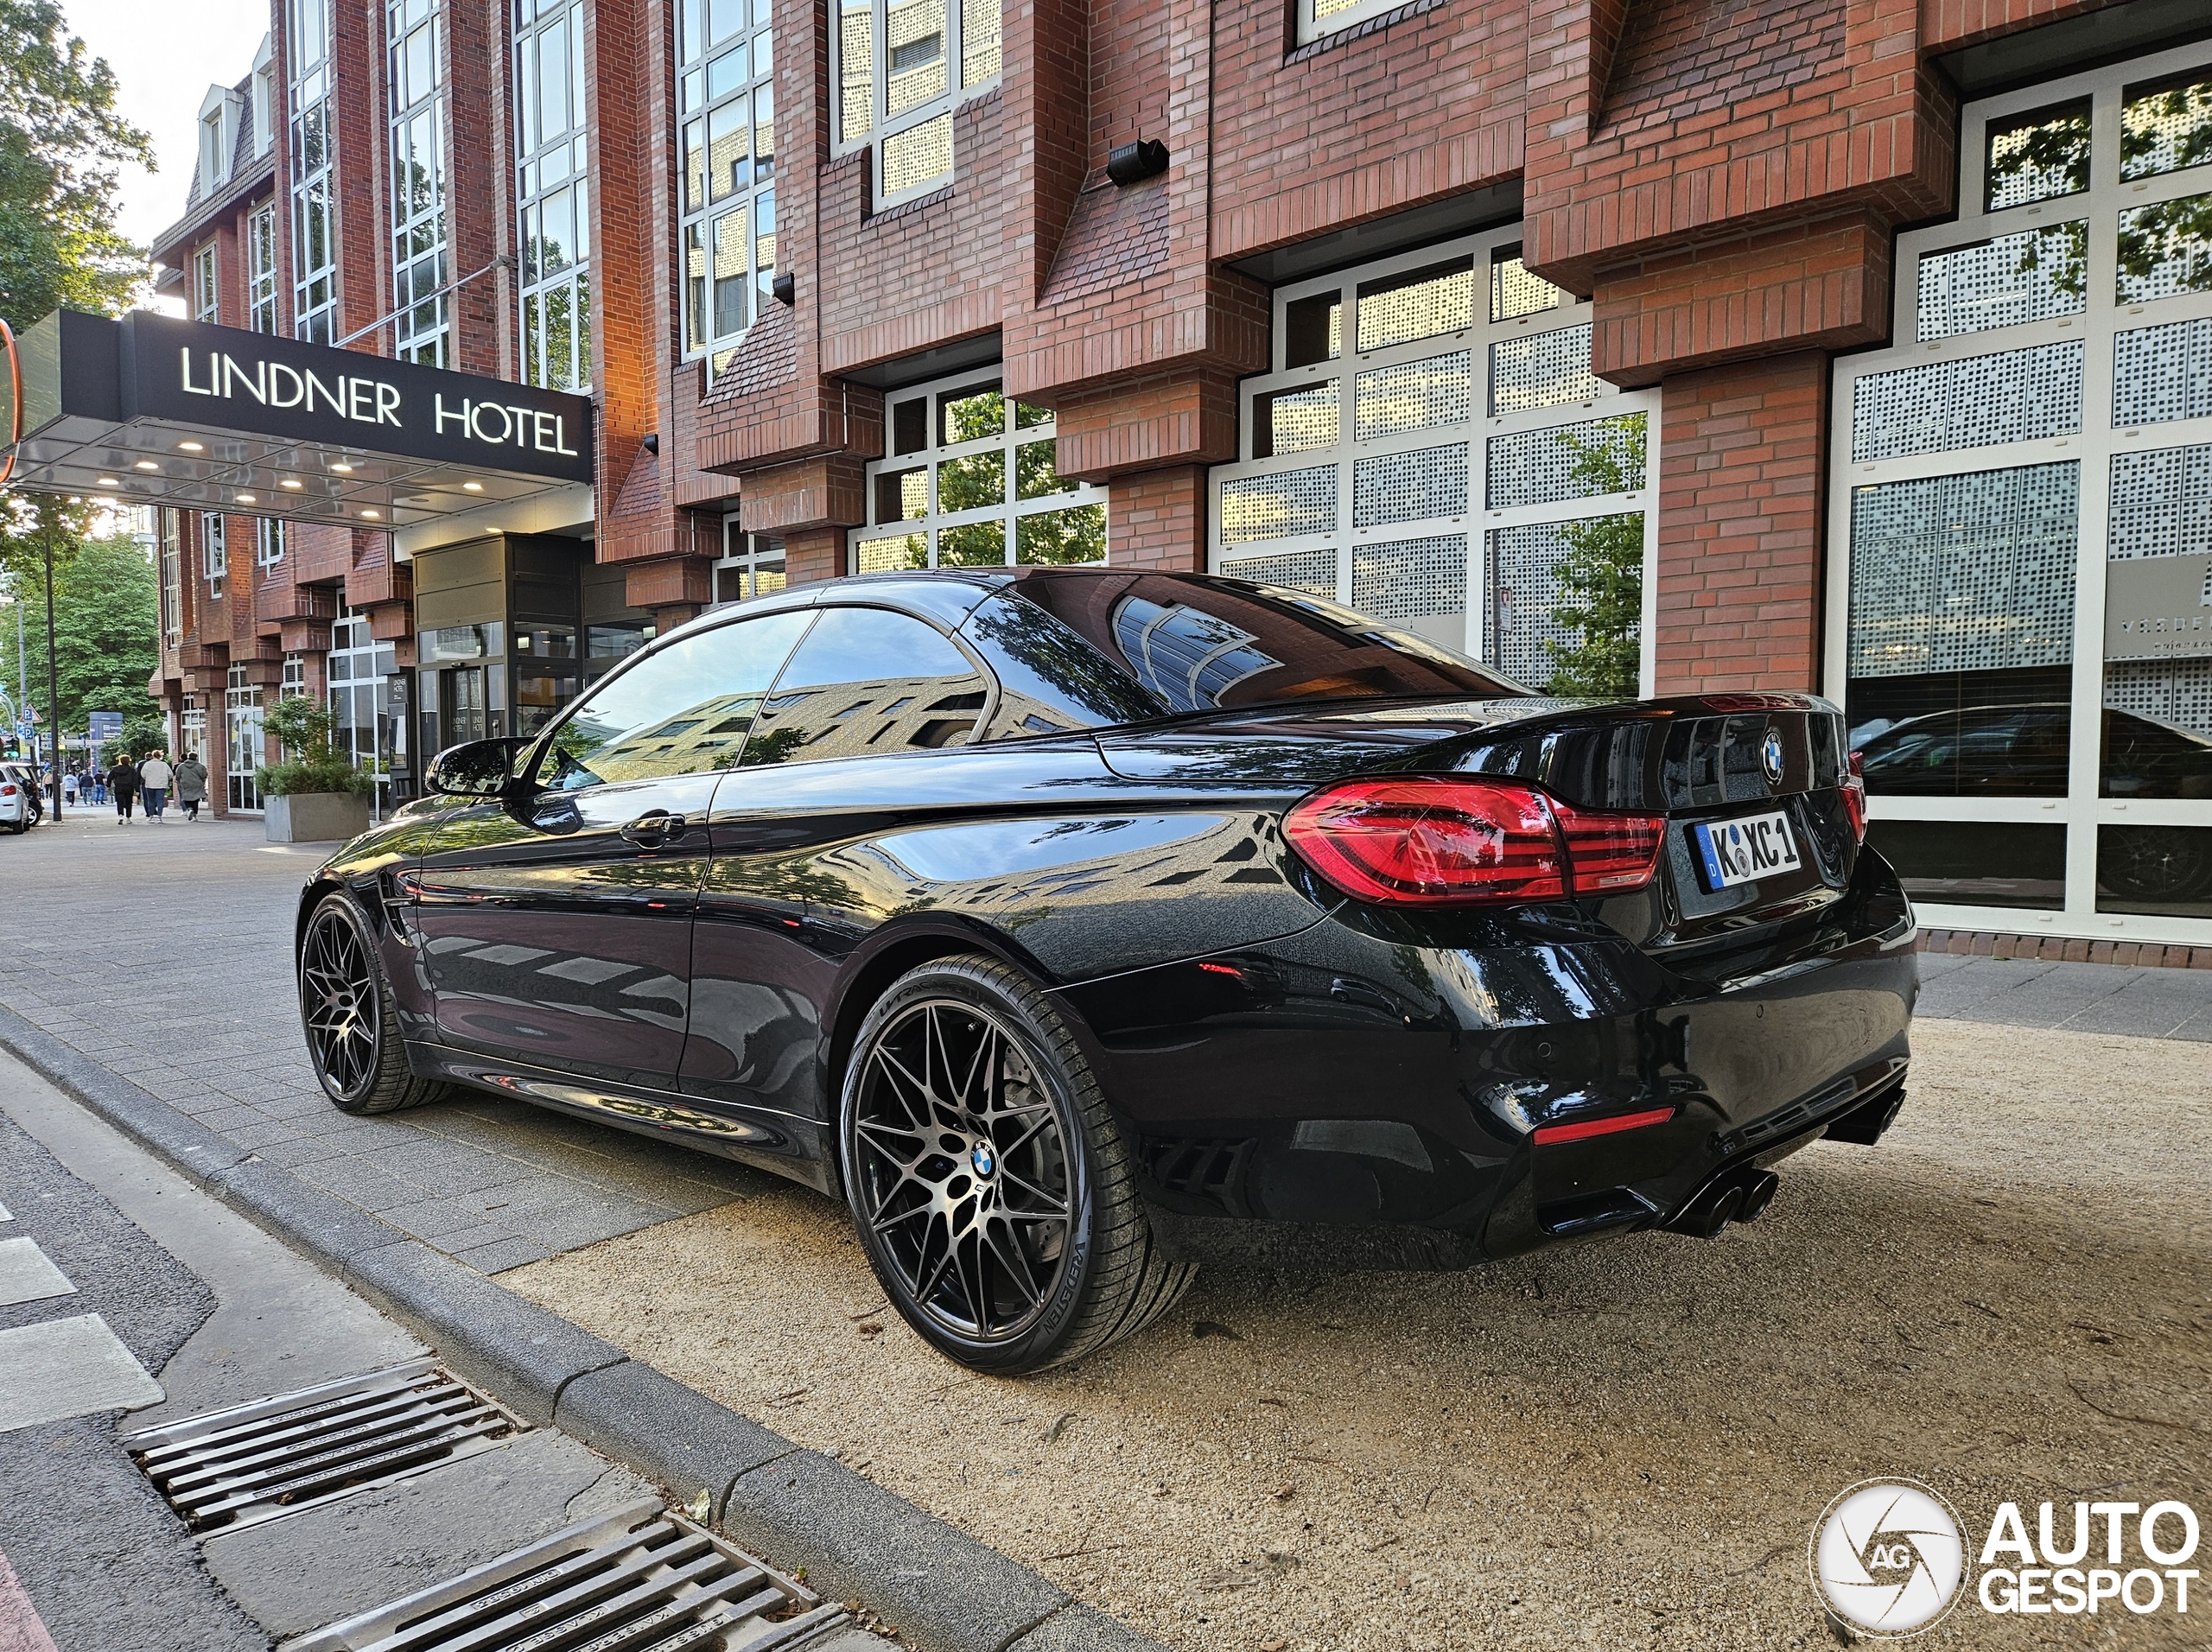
{"x": 154, "y": 777}
{"x": 123, "y": 786}
{"x": 69, "y": 788}
{"x": 191, "y": 784}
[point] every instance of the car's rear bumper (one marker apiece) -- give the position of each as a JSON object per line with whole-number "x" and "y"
{"x": 1362, "y": 1094}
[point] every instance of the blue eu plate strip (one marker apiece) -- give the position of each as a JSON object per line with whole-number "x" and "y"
{"x": 1713, "y": 875}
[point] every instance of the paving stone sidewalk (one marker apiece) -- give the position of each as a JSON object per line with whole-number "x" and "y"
{"x": 2077, "y": 997}
{"x": 164, "y": 953}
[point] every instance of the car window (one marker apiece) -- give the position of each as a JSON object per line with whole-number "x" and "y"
{"x": 868, "y": 680}
{"x": 1194, "y": 642}
{"x": 681, "y": 709}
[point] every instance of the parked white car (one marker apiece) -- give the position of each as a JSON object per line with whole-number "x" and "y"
{"x": 20, "y": 803}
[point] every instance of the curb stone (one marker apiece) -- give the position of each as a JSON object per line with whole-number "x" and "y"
{"x": 947, "y": 1592}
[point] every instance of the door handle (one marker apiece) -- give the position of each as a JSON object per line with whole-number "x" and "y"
{"x": 652, "y": 829}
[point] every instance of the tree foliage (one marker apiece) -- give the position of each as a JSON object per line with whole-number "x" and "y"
{"x": 105, "y": 612}
{"x": 61, "y": 138}
{"x": 304, "y": 729}
{"x": 1600, "y": 579}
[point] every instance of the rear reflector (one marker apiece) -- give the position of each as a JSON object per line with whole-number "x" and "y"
{"x": 1854, "y": 797}
{"x": 1436, "y": 840}
{"x": 1549, "y": 1134}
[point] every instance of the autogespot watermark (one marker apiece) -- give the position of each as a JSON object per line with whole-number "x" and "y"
{"x": 1890, "y": 1558}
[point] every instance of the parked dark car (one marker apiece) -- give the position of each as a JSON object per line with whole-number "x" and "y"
{"x": 2021, "y": 751}
{"x": 1079, "y": 926}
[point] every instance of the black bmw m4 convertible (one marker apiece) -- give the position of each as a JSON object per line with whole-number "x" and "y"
{"x": 1078, "y": 926}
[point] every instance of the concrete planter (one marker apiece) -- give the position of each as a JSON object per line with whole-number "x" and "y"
{"x": 314, "y": 816}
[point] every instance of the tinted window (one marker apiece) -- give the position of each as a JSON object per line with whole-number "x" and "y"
{"x": 868, "y": 680}
{"x": 1192, "y": 643}
{"x": 687, "y": 707}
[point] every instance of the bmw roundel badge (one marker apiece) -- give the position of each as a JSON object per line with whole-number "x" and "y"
{"x": 982, "y": 1159}
{"x": 1771, "y": 758}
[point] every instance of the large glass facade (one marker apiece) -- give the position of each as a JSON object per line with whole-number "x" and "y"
{"x": 902, "y": 67}
{"x": 357, "y": 668}
{"x": 554, "y": 186}
{"x": 971, "y": 480}
{"x": 415, "y": 47}
{"x": 315, "y": 226}
{"x": 2025, "y": 491}
{"x": 1431, "y": 449}
{"x": 727, "y": 179}
{"x": 243, "y": 751}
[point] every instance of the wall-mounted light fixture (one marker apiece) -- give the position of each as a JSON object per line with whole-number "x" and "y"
{"x": 1135, "y": 162}
{"x": 786, "y": 287}
{"x": 652, "y": 444}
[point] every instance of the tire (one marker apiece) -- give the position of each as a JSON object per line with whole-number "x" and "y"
{"x": 349, "y": 1016}
{"x": 2155, "y": 863}
{"x": 953, "y": 1174}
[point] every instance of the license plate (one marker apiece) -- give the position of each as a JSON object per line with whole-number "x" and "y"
{"x": 1743, "y": 851}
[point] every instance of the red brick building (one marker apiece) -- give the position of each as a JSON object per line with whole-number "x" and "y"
{"x": 1887, "y": 326}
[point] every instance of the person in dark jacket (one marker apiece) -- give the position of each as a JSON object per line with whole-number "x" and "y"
{"x": 191, "y": 784}
{"x": 123, "y": 786}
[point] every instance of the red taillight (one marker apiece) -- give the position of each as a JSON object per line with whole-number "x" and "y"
{"x": 1430, "y": 839}
{"x": 1855, "y": 796}
{"x": 7, "y": 791}
{"x": 1582, "y": 1131}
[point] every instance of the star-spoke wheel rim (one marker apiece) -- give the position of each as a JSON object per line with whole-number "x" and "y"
{"x": 960, "y": 1158}
{"x": 338, "y": 1000}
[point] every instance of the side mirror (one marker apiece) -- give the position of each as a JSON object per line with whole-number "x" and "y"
{"x": 480, "y": 768}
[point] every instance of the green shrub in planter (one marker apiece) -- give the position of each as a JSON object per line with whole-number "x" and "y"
{"x": 303, "y": 727}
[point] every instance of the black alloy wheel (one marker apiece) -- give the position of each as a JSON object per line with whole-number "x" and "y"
{"x": 346, "y": 1011}
{"x": 988, "y": 1182}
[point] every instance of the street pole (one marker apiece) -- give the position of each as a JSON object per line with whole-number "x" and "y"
{"x": 53, "y": 678}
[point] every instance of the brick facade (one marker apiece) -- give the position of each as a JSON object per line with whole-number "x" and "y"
{"x": 1722, "y": 178}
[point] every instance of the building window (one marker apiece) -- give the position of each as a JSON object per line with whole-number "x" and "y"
{"x": 971, "y": 482}
{"x": 206, "y": 289}
{"x": 1431, "y": 447}
{"x": 1317, "y": 19}
{"x": 419, "y": 240}
{"x": 358, "y": 666}
{"x": 192, "y": 724}
{"x": 314, "y": 231}
{"x": 728, "y": 173}
{"x": 555, "y": 190}
{"x": 751, "y": 564}
{"x": 2022, "y": 609}
{"x": 902, "y": 67}
{"x": 264, "y": 107}
{"x": 170, "y": 529}
{"x": 243, "y": 741}
{"x": 261, "y": 269}
{"x": 268, "y": 541}
{"x": 214, "y": 553}
{"x": 218, "y": 136}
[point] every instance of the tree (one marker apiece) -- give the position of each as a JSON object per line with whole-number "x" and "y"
{"x": 61, "y": 139}
{"x": 1600, "y": 579}
{"x": 106, "y": 605}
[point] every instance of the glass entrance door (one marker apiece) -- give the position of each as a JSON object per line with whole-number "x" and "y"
{"x": 463, "y": 699}
{"x": 242, "y": 730}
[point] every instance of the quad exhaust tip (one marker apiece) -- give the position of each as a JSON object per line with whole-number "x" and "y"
{"x": 1735, "y": 1198}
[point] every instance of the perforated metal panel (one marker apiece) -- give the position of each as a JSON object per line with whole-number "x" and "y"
{"x": 2163, "y": 373}
{"x": 1514, "y": 291}
{"x": 2031, "y": 276}
{"x": 914, "y": 157}
{"x": 1410, "y": 486}
{"x": 1411, "y": 579}
{"x": 2161, "y": 503}
{"x": 2177, "y": 692}
{"x": 1277, "y": 505}
{"x": 1302, "y": 420}
{"x": 1541, "y": 466}
{"x": 1964, "y": 573}
{"x": 1414, "y": 396}
{"x": 1524, "y": 588}
{"x": 1980, "y": 401}
{"x": 1311, "y": 571}
{"x": 2164, "y": 250}
{"x": 1543, "y": 369}
{"x": 1400, "y": 312}
{"x": 2166, "y": 128}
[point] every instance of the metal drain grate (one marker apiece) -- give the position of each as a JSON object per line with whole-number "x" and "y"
{"x": 640, "y": 1579}
{"x": 249, "y": 1463}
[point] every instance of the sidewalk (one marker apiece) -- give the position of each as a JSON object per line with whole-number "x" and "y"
{"x": 2142, "y": 1003}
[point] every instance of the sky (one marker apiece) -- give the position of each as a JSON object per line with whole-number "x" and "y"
{"x": 165, "y": 55}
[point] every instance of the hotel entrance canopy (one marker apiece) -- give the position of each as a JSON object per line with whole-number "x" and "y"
{"x": 155, "y": 410}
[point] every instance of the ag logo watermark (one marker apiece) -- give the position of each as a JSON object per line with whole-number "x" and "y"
{"x": 1887, "y": 1556}
{"x": 1890, "y": 1558}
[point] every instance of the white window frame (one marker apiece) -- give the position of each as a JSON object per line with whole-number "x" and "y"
{"x": 538, "y": 156}
{"x": 264, "y": 103}
{"x": 1475, "y": 520}
{"x": 2081, "y": 810}
{"x": 219, "y": 138}
{"x": 206, "y": 284}
{"x": 757, "y": 200}
{"x": 1312, "y": 26}
{"x": 421, "y": 230}
{"x": 214, "y": 553}
{"x": 751, "y": 564}
{"x": 169, "y": 527}
{"x": 934, "y": 453}
{"x": 314, "y": 162}
{"x": 261, "y": 312}
{"x": 268, "y": 541}
{"x": 883, "y": 125}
